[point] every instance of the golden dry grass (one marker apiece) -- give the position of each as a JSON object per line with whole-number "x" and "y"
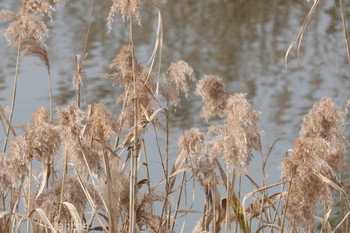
{"x": 83, "y": 187}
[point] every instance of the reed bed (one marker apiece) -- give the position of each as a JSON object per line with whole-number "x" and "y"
{"x": 85, "y": 185}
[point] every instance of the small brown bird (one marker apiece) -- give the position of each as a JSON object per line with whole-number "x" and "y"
{"x": 142, "y": 126}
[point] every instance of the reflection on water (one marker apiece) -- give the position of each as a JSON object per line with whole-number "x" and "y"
{"x": 242, "y": 41}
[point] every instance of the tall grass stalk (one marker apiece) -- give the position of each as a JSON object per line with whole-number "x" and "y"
{"x": 62, "y": 189}
{"x": 14, "y": 90}
{"x": 29, "y": 192}
{"x": 133, "y": 173}
{"x": 345, "y": 30}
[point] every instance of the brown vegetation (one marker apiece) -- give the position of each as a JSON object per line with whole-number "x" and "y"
{"x": 85, "y": 187}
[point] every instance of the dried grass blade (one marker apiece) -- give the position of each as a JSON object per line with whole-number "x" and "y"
{"x": 3, "y": 213}
{"x": 279, "y": 229}
{"x": 45, "y": 169}
{"x": 3, "y": 114}
{"x": 158, "y": 43}
{"x": 341, "y": 222}
{"x": 334, "y": 185}
{"x": 90, "y": 200}
{"x": 261, "y": 189}
{"x": 345, "y": 30}
{"x": 325, "y": 222}
{"x": 43, "y": 217}
{"x": 75, "y": 215}
{"x": 300, "y": 33}
{"x": 173, "y": 175}
{"x": 153, "y": 114}
{"x": 177, "y": 164}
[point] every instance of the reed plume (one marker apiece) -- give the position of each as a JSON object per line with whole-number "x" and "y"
{"x": 191, "y": 142}
{"x": 49, "y": 199}
{"x": 127, "y": 8}
{"x": 145, "y": 83}
{"x": 25, "y": 25}
{"x": 16, "y": 161}
{"x": 42, "y": 136}
{"x": 76, "y": 142}
{"x": 175, "y": 81}
{"x": 318, "y": 150}
{"x": 212, "y": 90}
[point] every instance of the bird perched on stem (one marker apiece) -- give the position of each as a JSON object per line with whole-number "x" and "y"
{"x": 142, "y": 126}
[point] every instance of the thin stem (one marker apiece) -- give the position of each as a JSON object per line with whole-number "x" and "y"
{"x": 345, "y": 30}
{"x": 50, "y": 94}
{"x": 178, "y": 200}
{"x": 62, "y": 187}
{"x": 133, "y": 168}
{"x": 14, "y": 90}
{"x": 167, "y": 159}
{"x": 214, "y": 206}
{"x": 29, "y": 192}
{"x": 228, "y": 200}
{"x": 286, "y": 206}
{"x": 147, "y": 170}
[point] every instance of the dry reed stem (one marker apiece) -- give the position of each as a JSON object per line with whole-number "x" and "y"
{"x": 62, "y": 188}
{"x": 133, "y": 168}
{"x": 345, "y": 30}
{"x": 14, "y": 93}
{"x": 298, "y": 37}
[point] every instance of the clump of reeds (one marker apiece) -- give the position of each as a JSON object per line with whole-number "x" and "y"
{"x": 83, "y": 187}
{"x": 317, "y": 157}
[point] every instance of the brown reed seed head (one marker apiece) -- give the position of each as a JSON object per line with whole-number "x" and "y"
{"x": 42, "y": 136}
{"x": 318, "y": 150}
{"x": 240, "y": 135}
{"x": 32, "y": 48}
{"x": 123, "y": 62}
{"x": 323, "y": 121}
{"x": 41, "y": 7}
{"x": 191, "y": 143}
{"x": 49, "y": 199}
{"x": 17, "y": 160}
{"x": 77, "y": 139}
{"x": 102, "y": 123}
{"x": 212, "y": 90}
{"x": 127, "y": 9}
{"x": 144, "y": 81}
{"x": 144, "y": 205}
{"x": 175, "y": 81}
{"x": 24, "y": 24}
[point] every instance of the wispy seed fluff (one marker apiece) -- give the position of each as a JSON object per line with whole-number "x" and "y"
{"x": 16, "y": 162}
{"x": 175, "y": 81}
{"x": 127, "y": 8}
{"x": 318, "y": 150}
{"x": 212, "y": 90}
{"x": 191, "y": 142}
{"x": 26, "y": 23}
{"x": 144, "y": 82}
{"x": 101, "y": 123}
{"x": 77, "y": 141}
{"x": 240, "y": 134}
{"x": 42, "y": 136}
{"x": 49, "y": 199}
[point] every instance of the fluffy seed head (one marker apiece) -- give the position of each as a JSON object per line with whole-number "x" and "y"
{"x": 211, "y": 89}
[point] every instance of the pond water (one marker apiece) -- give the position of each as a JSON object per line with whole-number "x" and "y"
{"x": 243, "y": 41}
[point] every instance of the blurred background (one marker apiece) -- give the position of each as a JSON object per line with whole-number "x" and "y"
{"x": 243, "y": 41}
